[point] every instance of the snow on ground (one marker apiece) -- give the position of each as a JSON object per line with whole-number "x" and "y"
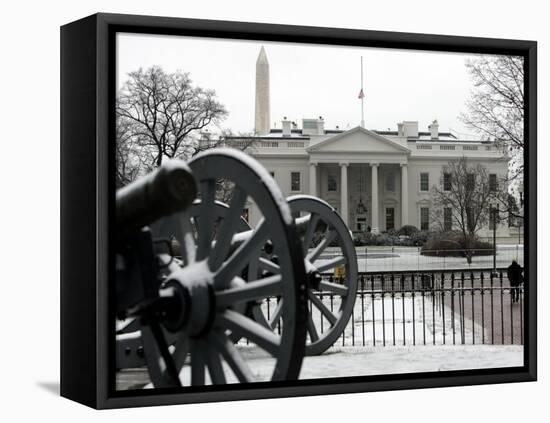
{"x": 401, "y": 320}
{"x": 367, "y": 361}
{"x": 344, "y": 359}
{"x": 362, "y": 361}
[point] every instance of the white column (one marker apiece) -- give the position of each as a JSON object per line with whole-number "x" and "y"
{"x": 313, "y": 179}
{"x": 374, "y": 197}
{"x": 344, "y": 191}
{"x": 404, "y": 195}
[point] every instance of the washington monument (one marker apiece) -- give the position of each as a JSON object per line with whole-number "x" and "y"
{"x": 262, "y": 120}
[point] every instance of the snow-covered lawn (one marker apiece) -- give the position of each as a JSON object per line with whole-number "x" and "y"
{"x": 378, "y": 259}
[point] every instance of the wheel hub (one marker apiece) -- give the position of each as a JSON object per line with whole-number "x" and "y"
{"x": 193, "y": 286}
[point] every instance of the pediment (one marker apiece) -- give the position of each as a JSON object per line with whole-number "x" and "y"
{"x": 358, "y": 140}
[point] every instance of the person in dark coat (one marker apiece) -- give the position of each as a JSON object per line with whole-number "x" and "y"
{"x": 515, "y": 276}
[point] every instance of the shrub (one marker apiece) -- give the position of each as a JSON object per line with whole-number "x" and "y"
{"x": 419, "y": 238}
{"x": 442, "y": 248}
{"x": 407, "y": 230}
{"x": 453, "y": 246}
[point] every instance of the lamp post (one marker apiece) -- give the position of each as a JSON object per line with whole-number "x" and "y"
{"x": 520, "y": 189}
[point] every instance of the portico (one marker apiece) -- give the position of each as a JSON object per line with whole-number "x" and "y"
{"x": 364, "y": 179}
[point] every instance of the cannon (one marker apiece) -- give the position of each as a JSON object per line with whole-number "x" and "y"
{"x": 185, "y": 311}
{"x": 193, "y": 277}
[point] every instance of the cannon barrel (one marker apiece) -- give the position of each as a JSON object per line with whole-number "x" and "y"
{"x": 168, "y": 189}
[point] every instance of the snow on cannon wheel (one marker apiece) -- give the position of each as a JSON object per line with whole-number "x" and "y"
{"x": 319, "y": 225}
{"x": 193, "y": 344}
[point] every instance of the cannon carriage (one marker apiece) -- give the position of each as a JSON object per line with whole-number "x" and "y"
{"x": 194, "y": 280}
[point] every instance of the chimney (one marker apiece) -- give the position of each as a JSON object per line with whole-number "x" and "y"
{"x": 434, "y": 130}
{"x": 409, "y": 128}
{"x": 320, "y": 126}
{"x": 287, "y": 132}
{"x": 400, "y": 132}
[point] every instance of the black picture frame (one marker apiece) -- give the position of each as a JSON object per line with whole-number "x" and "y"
{"x": 87, "y": 192}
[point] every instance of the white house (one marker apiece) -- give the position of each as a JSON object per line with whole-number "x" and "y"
{"x": 377, "y": 180}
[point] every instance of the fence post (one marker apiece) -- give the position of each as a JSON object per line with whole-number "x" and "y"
{"x": 492, "y": 276}
{"x": 453, "y": 306}
{"x": 413, "y": 307}
{"x": 473, "y": 315}
{"x": 482, "y": 308}
{"x": 443, "y": 304}
{"x": 373, "y": 313}
{"x": 393, "y": 306}
{"x": 501, "y": 310}
{"x": 433, "y": 307}
{"x": 462, "y": 310}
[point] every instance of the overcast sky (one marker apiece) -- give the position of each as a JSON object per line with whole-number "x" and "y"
{"x": 309, "y": 80}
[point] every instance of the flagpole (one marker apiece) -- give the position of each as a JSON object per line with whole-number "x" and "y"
{"x": 362, "y": 97}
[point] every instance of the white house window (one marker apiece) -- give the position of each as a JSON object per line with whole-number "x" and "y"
{"x": 331, "y": 186}
{"x": 295, "y": 181}
{"x": 446, "y": 182}
{"x": 390, "y": 182}
{"x": 447, "y": 219}
{"x": 424, "y": 218}
{"x": 390, "y": 218}
{"x": 424, "y": 181}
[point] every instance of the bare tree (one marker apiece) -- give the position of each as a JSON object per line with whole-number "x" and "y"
{"x": 496, "y": 105}
{"x": 463, "y": 200}
{"x": 164, "y": 113}
{"x": 127, "y": 157}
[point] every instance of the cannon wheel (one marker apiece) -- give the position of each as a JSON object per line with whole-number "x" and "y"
{"x": 128, "y": 335}
{"x": 210, "y": 274}
{"x": 323, "y": 222}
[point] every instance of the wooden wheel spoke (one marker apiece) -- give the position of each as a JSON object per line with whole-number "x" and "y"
{"x": 242, "y": 326}
{"x": 186, "y": 238}
{"x": 232, "y": 356}
{"x": 197, "y": 363}
{"x": 331, "y": 264}
{"x": 251, "y": 291}
{"x": 317, "y": 251}
{"x": 181, "y": 349}
{"x": 333, "y": 287}
{"x": 159, "y": 361}
{"x": 214, "y": 364}
{"x": 227, "y": 229}
{"x": 242, "y": 256}
{"x": 207, "y": 216}
{"x": 331, "y": 317}
{"x": 274, "y": 319}
{"x": 269, "y": 266}
{"x": 311, "y": 329}
{"x": 308, "y": 236}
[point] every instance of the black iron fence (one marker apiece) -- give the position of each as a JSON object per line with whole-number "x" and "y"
{"x": 433, "y": 307}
